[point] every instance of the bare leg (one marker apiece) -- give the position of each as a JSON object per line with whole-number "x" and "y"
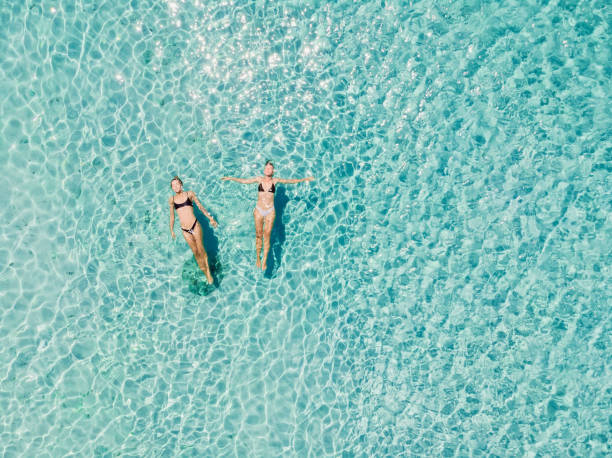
{"x": 195, "y": 243}
{"x": 203, "y": 263}
{"x": 266, "y": 237}
{"x": 201, "y": 253}
{"x": 259, "y": 220}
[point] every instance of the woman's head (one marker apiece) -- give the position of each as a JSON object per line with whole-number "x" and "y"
{"x": 176, "y": 184}
{"x": 269, "y": 169}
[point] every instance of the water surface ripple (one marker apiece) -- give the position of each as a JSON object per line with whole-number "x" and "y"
{"x": 441, "y": 289}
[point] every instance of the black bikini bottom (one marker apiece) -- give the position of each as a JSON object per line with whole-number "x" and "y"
{"x": 191, "y": 230}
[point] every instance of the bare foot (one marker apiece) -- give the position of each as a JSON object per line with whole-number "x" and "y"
{"x": 258, "y": 263}
{"x": 209, "y": 278}
{"x": 265, "y": 265}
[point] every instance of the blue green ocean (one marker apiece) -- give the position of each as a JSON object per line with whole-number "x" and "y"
{"x": 443, "y": 287}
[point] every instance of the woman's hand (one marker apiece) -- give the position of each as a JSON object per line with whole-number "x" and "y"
{"x": 213, "y": 223}
{"x": 173, "y": 235}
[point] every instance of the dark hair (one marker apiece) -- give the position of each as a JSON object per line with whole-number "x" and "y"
{"x": 269, "y": 162}
{"x": 177, "y": 179}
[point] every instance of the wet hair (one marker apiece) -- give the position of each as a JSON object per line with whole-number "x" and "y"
{"x": 269, "y": 162}
{"x": 177, "y": 179}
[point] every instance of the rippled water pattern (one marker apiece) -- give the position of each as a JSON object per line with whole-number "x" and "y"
{"x": 442, "y": 288}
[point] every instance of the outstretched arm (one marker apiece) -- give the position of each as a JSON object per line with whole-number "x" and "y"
{"x": 241, "y": 180}
{"x": 172, "y": 217}
{"x": 213, "y": 223}
{"x": 292, "y": 180}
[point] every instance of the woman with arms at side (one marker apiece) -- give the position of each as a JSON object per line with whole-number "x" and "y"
{"x": 264, "y": 213}
{"x": 182, "y": 203}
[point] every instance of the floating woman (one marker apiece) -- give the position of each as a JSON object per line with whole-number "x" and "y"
{"x": 192, "y": 231}
{"x": 264, "y": 213}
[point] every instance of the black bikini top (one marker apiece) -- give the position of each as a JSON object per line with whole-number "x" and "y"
{"x": 182, "y": 204}
{"x": 261, "y": 189}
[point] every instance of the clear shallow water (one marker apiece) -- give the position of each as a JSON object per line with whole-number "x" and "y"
{"x": 441, "y": 289}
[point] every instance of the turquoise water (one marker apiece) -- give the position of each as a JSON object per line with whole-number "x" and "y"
{"x": 441, "y": 289}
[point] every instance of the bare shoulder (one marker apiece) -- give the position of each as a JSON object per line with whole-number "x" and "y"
{"x": 171, "y": 200}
